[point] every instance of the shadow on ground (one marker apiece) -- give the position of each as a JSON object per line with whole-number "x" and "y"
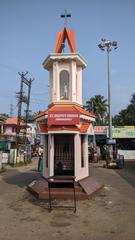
{"x": 20, "y": 179}
{"x": 128, "y": 172}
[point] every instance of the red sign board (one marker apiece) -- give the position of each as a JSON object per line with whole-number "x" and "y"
{"x": 63, "y": 117}
{"x": 100, "y": 130}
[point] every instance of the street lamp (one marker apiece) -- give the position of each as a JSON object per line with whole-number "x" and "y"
{"x": 108, "y": 45}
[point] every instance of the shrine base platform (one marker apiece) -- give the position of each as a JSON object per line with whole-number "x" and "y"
{"x": 84, "y": 189}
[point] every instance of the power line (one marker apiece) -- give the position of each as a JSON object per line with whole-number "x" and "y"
{"x": 9, "y": 67}
{"x": 17, "y": 69}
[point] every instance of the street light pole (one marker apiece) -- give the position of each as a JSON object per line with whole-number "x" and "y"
{"x": 109, "y": 45}
{"x": 109, "y": 95}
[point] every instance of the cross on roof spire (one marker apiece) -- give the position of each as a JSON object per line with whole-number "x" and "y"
{"x": 66, "y": 16}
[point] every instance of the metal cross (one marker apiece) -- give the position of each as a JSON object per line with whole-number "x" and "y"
{"x": 65, "y": 15}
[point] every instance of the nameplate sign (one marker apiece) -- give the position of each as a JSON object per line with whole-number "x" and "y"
{"x": 63, "y": 117}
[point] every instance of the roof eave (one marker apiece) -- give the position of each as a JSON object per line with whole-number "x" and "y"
{"x": 47, "y": 63}
{"x": 89, "y": 118}
{"x": 63, "y": 131}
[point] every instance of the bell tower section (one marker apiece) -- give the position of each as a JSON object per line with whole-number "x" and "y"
{"x": 65, "y": 71}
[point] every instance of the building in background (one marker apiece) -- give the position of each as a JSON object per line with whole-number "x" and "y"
{"x": 3, "y": 141}
{"x": 123, "y": 136}
{"x": 8, "y": 138}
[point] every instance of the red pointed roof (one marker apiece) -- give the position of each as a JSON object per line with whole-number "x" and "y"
{"x": 62, "y": 36}
{"x": 64, "y": 107}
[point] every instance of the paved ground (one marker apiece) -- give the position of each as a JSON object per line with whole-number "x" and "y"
{"x": 109, "y": 215}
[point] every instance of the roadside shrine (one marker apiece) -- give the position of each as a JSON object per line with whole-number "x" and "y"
{"x": 65, "y": 125}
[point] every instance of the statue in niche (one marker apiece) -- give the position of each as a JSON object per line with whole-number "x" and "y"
{"x": 64, "y": 85}
{"x": 65, "y": 90}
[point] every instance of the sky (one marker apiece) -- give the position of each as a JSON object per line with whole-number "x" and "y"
{"x": 27, "y": 35}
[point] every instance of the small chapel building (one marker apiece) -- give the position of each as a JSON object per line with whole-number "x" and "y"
{"x": 65, "y": 125}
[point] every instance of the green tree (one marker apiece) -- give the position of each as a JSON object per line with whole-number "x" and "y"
{"x": 126, "y": 116}
{"x": 5, "y": 115}
{"x": 98, "y": 106}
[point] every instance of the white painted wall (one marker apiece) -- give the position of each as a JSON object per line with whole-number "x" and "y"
{"x": 77, "y": 155}
{"x": 128, "y": 154}
{"x": 75, "y": 81}
{"x": 79, "y": 85}
{"x": 50, "y": 85}
{"x": 51, "y": 159}
{"x": 81, "y": 172}
{"x": 45, "y": 156}
{"x": 0, "y": 160}
{"x": 48, "y": 171}
{"x": 54, "y": 81}
{"x": 5, "y": 157}
{"x": 9, "y": 131}
{"x": 85, "y": 154}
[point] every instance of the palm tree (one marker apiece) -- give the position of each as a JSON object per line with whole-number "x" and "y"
{"x": 98, "y": 105}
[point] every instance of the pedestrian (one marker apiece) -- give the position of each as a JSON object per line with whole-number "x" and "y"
{"x": 39, "y": 162}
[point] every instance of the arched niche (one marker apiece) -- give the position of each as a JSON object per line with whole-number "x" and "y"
{"x": 64, "y": 85}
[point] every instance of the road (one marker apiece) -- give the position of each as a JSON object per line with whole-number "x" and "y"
{"x": 110, "y": 214}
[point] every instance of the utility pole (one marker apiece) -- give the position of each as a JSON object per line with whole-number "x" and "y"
{"x": 11, "y": 110}
{"x": 20, "y": 98}
{"x": 27, "y": 101}
{"x": 23, "y": 98}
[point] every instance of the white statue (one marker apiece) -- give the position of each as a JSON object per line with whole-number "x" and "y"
{"x": 65, "y": 90}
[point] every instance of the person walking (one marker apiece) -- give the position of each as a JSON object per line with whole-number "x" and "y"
{"x": 40, "y": 163}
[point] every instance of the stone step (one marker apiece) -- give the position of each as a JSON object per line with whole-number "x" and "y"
{"x": 64, "y": 194}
